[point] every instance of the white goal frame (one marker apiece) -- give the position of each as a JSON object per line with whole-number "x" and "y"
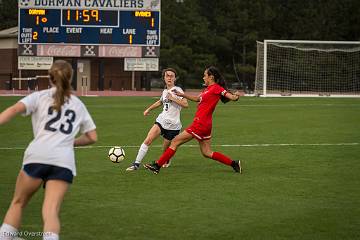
{"x": 326, "y": 47}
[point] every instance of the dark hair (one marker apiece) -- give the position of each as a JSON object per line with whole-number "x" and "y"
{"x": 61, "y": 74}
{"x": 219, "y": 79}
{"x": 168, "y": 69}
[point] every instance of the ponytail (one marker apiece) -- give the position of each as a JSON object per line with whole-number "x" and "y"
{"x": 60, "y": 75}
{"x": 219, "y": 79}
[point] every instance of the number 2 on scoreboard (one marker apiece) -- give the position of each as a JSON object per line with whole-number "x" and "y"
{"x": 35, "y": 35}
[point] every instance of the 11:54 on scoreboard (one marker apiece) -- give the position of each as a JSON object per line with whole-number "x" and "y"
{"x": 89, "y": 26}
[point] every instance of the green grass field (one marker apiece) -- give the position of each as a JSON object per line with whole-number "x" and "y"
{"x": 301, "y": 178}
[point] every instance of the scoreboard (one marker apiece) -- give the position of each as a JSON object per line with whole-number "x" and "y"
{"x": 86, "y": 24}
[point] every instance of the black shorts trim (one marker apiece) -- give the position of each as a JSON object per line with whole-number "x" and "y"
{"x": 47, "y": 172}
{"x": 167, "y": 134}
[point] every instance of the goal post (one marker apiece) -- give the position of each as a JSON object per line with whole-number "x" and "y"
{"x": 308, "y": 68}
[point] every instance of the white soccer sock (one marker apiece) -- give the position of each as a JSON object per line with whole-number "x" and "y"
{"x": 50, "y": 236}
{"x": 7, "y": 232}
{"x": 141, "y": 153}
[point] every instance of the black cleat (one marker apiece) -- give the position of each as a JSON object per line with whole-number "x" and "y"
{"x": 236, "y": 165}
{"x": 153, "y": 167}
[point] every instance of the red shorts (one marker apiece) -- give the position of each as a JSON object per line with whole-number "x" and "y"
{"x": 199, "y": 131}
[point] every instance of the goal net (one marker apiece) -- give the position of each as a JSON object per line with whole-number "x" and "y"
{"x": 307, "y": 68}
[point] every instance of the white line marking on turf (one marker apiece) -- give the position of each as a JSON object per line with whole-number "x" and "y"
{"x": 243, "y": 145}
{"x": 215, "y": 145}
{"x": 252, "y": 105}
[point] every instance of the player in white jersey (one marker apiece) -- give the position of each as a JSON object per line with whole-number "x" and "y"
{"x": 57, "y": 116}
{"x": 168, "y": 123}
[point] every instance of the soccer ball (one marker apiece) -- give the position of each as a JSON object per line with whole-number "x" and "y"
{"x": 116, "y": 154}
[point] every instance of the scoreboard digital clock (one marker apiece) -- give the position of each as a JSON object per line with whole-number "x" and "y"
{"x": 89, "y": 26}
{"x": 88, "y": 17}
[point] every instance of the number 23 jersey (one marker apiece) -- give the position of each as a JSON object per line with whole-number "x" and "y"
{"x": 54, "y": 132}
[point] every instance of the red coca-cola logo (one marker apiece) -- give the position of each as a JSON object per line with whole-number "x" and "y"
{"x": 59, "y": 51}
{"x": 116, "y": 51}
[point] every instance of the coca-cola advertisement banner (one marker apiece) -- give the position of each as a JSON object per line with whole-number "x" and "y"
{"x": 119, "y": 51}
{"x": 108, "y": 51}
{"x": 59, "y": 50}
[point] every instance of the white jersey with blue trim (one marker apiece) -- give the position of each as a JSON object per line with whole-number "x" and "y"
{"x": 55, "y": 132}
{"x": 169, "y": 118}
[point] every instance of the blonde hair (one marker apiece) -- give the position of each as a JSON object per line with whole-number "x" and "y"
{"x": 61, "y": 74}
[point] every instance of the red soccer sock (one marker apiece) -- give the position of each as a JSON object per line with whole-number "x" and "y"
{"x": 221, "y": 158}
{"x": 165, "y": 156}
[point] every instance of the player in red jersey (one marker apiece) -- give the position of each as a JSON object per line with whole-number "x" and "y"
{"x": 202, "y": 124}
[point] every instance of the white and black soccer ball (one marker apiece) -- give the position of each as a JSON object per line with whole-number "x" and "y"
{"x": 116, "y": 154}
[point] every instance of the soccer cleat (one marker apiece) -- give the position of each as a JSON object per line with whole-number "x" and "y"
{"x": 153, "y": 167}
{"x": 133, "y": 167}
{"x": 236, "y": 165}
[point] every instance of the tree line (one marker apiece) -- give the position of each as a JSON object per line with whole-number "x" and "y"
{"x": 198, "y": 33}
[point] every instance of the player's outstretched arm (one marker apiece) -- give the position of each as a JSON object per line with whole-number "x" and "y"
{"x": 233, "y": 96}
{"x": 184, "y": 95}
{"x": 192, "y": 98}
{"x": 153, "y": 106}
{"x": 11, "y": 112}
{"x": 86, "y": 138}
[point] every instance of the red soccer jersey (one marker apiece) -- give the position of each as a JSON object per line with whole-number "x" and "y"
{"x": 209, "y": 97}
{"x": 202, "y": 124}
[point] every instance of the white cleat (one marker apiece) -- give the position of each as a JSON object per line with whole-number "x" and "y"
{"x": 133, "y": 167}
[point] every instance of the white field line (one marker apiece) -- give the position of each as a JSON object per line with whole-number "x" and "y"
{"x": 215, "y": 145}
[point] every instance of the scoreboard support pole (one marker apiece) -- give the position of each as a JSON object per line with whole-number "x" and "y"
{"x": 19, "y": 80}
{"x": 84, "y": 85}
{"x": 133, "y": 81}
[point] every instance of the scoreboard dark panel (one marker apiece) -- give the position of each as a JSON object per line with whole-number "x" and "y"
{"x": 89, "y": 26}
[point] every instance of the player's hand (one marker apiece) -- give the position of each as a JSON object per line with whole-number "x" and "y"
{"x": 170, "y": 97}
{"x": 146, "y": 112}
{"x": 177, "y": 93}
{"x": 237, "y": 95}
